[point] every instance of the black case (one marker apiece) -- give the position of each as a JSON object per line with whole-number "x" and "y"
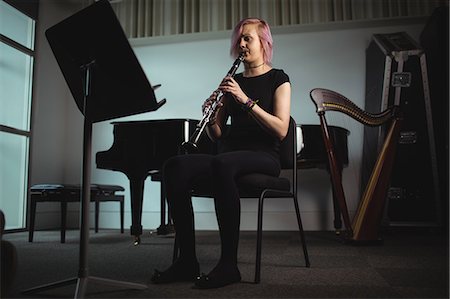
{"x": 396, "y": 73}
{"x": 434, "y": 40}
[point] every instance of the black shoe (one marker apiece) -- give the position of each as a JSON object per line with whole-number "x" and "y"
{"x": 179, "y": 271}
{"x": 217, "y": 280}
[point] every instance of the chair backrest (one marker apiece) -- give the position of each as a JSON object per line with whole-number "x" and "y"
{"x": 2, "y": 223}
{"x": 288, "y": 147}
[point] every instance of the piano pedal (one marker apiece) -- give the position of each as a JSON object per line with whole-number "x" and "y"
{"x": 137, "y": 240}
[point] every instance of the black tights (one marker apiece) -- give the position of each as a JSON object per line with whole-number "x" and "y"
{"x": 182, "y": 173}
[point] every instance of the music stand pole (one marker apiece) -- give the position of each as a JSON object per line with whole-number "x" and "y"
{"x": 83, "y": 270}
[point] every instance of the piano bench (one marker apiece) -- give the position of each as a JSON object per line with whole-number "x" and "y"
{"x": 64, "y": 193}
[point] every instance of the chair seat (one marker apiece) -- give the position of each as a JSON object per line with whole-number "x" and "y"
{"x": 249, "y": 185}
{"x": 75, "y": 188}
{"x": 55, "y": 188}
{"x": 253, "y": 184}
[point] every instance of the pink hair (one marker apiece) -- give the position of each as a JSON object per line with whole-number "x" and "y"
{"x": 264, "y": 35}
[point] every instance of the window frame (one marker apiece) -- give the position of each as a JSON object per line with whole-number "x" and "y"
{"x": 15, "y": 131}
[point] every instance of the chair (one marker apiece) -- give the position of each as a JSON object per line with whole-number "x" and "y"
{"x": 71, "y": 193}
{"x": 263, "y": 186}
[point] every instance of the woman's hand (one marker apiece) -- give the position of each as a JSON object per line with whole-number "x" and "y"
{"x": 208, "y": 102}
{"x": 230, "y": 85}
{"x": 207, "y": 105}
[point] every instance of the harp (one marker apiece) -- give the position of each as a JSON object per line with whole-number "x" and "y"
{"x": 367, "y": 220}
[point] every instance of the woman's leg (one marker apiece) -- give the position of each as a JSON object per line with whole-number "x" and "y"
{"x": 225, "y": 169}
{"x": 179, "y": 174}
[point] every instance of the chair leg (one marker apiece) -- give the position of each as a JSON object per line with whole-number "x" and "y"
{"x": 97, "y": 212}
{"x": 63, "y": 220}
{"x": 259, "y": 240}
{"x": 32, "y": 218}
{"x": 163, "y": 204}
{"x": 121, "y": 214}
{"x": 302, "y": 233}
{"x": 175, "y": 249}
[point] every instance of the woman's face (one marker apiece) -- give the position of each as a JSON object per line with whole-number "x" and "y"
{"x": 251, "y": 44}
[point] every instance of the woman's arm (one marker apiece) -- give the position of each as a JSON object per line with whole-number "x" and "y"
{"x": 214, "y": 129}
{"x": 277, "y": 123}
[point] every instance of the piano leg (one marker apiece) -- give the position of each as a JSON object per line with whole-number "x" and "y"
{"x": 137, "y": 195}
{"x": 164, "y": 229}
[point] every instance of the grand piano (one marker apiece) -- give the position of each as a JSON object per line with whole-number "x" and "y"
{"x": 140, "y": 148}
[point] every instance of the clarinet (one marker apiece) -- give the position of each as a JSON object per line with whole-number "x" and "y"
{"x": 192, "y": 144}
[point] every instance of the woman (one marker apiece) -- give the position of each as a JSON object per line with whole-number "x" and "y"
{"x": 258, "y": 103}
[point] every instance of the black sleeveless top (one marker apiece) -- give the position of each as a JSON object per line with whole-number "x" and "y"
{"x": 245, "y": 133}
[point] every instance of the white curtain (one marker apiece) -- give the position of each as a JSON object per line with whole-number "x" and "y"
{"x": 146, "y": 18}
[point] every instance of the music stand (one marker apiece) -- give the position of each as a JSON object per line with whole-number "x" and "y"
{"x": 106, "y": 81}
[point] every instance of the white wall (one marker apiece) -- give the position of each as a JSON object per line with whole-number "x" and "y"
{"x": 189, "y": 69}
{"x": 52, "y": 143}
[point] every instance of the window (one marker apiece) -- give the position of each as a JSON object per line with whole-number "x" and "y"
{"x": 17, "y": 32}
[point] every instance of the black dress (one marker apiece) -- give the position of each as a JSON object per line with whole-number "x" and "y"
{"x": 246, "y": 149}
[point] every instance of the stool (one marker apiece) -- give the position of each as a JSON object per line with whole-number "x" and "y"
{"x": 65, "y": 193}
